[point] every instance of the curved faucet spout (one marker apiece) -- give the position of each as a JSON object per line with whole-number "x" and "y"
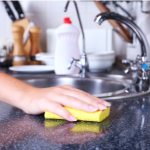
{"x": 140, "y": 35}
{"x": 80, "y": 23}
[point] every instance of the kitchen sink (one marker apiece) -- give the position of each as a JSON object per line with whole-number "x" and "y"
{"x": 109, "y": 87}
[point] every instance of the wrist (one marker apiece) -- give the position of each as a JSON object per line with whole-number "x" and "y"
{"x": 26, "y": 98}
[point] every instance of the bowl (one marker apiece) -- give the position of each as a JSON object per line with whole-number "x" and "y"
{"x": 47, "y": 58}
{"x": 99, "y": 62}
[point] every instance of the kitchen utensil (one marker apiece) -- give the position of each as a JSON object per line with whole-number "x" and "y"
{"x": 23, "y": 22}
{"x": 35, "y": 45}
{"x": 32, "y": 68}
{"x": 19, "y": 55}
{"x": 99, "y": 62}
{"x": 123, "y": 32}
{"x": 18, "y": 8}
{"x": 26, "y": 33}
{"x": 9, "y": 11}
{"x": 21, "y": 15}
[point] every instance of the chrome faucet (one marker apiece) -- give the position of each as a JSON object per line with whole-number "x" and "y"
{"x": 82, "y": 64}
{"x": 139, "y": 68}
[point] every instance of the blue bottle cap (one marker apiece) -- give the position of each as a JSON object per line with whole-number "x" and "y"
{"x": 145, "y": 66}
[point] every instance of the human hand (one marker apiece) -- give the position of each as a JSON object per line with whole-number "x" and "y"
{"x": 53, "y": 99}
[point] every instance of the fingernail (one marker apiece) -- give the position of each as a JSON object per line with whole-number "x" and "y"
{"x": 102, "y": 107}
{"x": 106, "y": 103}
{"x": 93, "y": 108}
{"x": 73, "y": 118}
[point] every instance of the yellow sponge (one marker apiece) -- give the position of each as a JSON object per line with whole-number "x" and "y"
{"x": 97, "y": 116}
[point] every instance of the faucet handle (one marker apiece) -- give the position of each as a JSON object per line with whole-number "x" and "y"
{"x": 125, "y": 61}
{"x": 82, "y": 64}
{"x": 72, "y": 60}
{"x": 138, "y": 57}
{"x": 127, "y": 70}
{"x": 132, "y": 65}
{"x": 130, "y": 62}
{"x": 140, "y": 70}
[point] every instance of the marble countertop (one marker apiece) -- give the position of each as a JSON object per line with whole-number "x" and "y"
{"x": 127, "y": 127}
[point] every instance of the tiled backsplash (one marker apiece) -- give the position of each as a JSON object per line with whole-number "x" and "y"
{"x": 50, "y": 14}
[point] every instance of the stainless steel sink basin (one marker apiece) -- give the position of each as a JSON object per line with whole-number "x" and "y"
{"x": 105, "y": 86}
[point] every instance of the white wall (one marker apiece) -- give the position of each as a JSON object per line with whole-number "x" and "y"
{"x": 49, "y": 14}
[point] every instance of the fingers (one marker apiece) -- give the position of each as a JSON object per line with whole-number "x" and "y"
{"x": 52, "y": 99}
{"x": 83, "y": 96}
{"x": 57, "y": 109}
{"x": 74, "y": 89}
{"x": 73, "y": 102}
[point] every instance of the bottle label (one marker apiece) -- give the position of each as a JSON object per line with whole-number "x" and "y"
{"x": 19, "y": 58}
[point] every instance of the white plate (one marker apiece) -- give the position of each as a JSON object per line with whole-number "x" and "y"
{"x": 32, "y": 68}
{"x": 44, "y": 55}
